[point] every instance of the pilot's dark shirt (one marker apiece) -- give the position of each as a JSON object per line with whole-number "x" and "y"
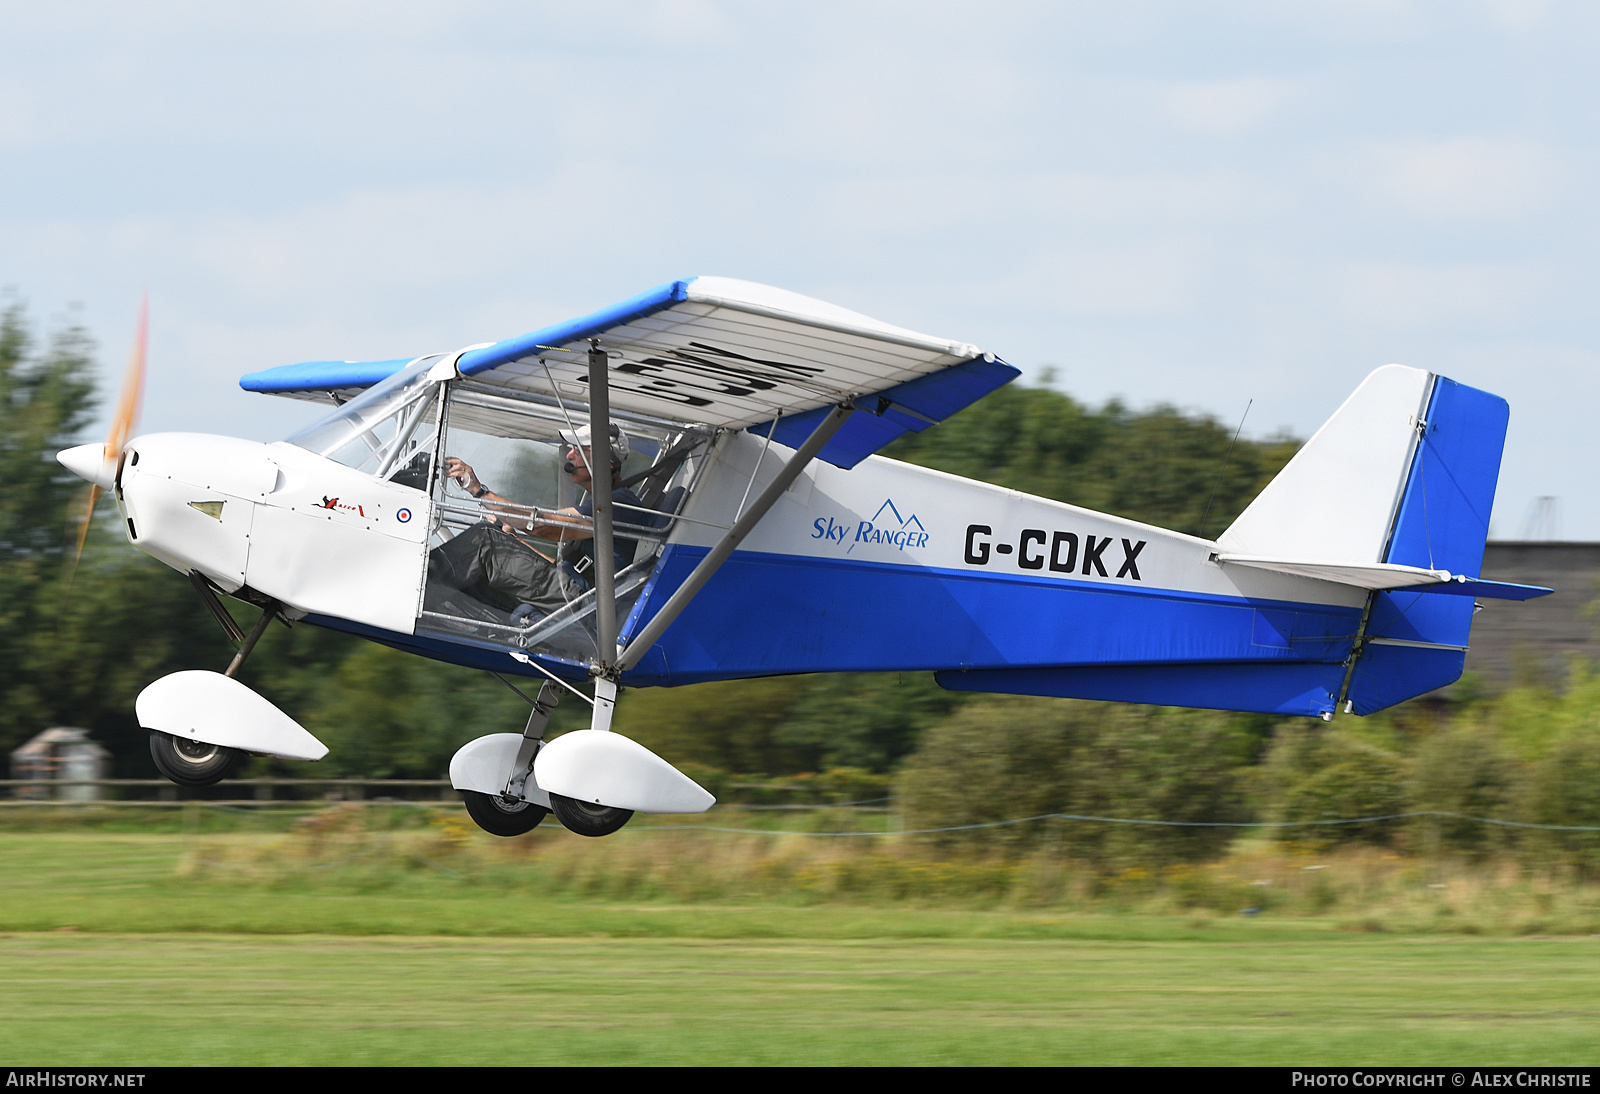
{"x": 622, "y": 549}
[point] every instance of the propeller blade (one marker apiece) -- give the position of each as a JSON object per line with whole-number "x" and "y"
{"x": 83, "y": 525}
{"x": 132, "y": 398}
{"x": 123, "y": 419}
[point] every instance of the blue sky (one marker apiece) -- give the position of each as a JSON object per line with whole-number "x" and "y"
{"x": 1190, "y": 203}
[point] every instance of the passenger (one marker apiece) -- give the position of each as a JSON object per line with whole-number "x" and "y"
{"x": 497, "y": 565}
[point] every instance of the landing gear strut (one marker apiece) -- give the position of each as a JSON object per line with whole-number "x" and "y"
{"x": 196, "y": 763}
{"x": 510, "y": 813}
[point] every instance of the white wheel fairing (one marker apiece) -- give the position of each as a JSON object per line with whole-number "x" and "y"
{"x": 605, "y": 768}
{"x": 484, "y": 765}
{"x": 209, "y": 707}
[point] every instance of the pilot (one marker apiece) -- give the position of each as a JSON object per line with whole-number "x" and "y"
{"x": 494, "y": 562}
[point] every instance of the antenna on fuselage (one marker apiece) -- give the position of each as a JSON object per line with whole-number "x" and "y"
{"x": 1221, "y": 470}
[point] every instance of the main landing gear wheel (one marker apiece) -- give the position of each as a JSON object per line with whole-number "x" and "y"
{"x": 499, "y": 817}
{"x": 192, "y": 763}
{"x": 586, "y": 819}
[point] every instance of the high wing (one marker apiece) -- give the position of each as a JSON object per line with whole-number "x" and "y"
{"x": 721, "y": 353}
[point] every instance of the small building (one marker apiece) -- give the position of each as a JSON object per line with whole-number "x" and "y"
{"x": 63, "y": 754}
{"x": 1535, "y": 641}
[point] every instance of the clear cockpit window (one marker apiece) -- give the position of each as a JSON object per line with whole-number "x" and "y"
{"x": 387, "y": 431}
{"x": 518, "y": 453}
{"x": 496, "y": 571}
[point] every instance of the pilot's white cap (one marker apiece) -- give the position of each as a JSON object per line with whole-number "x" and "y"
{"x": 619, "y": 441}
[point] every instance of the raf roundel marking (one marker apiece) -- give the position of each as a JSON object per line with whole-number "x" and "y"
{"x": 403, "y": 515}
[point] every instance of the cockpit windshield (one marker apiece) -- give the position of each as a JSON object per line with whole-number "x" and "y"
{"x": 386, "y": 431}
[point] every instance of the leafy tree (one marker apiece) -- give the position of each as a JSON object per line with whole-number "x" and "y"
{"x": 45, "y": 401}
{"x": 732, "y": 725}
{"x": 865, "y": 720}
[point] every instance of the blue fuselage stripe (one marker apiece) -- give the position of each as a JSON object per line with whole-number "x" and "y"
{"x": 771, "y": 614}
{"x": 775, "y": 613}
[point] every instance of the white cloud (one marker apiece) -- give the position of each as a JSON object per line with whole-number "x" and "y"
{"x": 1229, "y": 106}
{"x": 1520, "y": 15}
{"x": 1154, "y": 279}
{"x": 1045, "y": 206}
{"x": 687, "y": 21}
{"x": 1467, "y": 178}
{"x": 1402, "y": 295}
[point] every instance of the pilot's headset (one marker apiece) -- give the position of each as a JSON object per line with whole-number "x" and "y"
{"x": 581, "y": 438}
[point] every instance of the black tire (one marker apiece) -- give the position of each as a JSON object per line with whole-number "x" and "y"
{"x": 192, "y": 763}
{"x": 587, "y": 819}
{"x": 499, "y": 817}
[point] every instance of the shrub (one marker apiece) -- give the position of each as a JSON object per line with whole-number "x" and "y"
{"x": 1466, "y": 771}
{"x": 1006, "y": 759}
{"x": 1566, "y": 791}
{"x": 1318, "y": 774}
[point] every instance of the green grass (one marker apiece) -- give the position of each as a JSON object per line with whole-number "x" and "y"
{"x": 132, "y": 1000}
{"x": 126, "y": 882}
{"x": 116, "y": 950}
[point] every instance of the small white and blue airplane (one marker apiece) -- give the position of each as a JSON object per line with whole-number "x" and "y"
{"x": 758, "y": 534}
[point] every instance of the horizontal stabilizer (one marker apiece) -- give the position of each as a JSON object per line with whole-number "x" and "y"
{"x": 1389, "y": 575}
{"x": 1462, "y": 585}
{"x": 1370, "y": 575}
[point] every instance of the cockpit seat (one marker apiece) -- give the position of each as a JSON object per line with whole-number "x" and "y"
{"x": 666, "y": 508}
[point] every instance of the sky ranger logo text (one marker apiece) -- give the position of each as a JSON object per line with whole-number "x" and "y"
{"x": 886, "y": 527}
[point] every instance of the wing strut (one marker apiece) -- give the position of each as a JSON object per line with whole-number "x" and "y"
{"x": 680, "y": 599}
{"x": 605, "y": 592}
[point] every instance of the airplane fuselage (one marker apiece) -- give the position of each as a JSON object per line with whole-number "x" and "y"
{"x": 885, "y": 567}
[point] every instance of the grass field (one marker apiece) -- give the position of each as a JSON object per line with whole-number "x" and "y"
{"x": 116, "y": 950}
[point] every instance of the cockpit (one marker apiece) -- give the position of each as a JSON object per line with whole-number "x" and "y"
{"x": 526, "y": 523}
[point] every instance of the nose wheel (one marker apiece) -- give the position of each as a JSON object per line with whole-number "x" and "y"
{"x": 191, "y": 763}
{"x": 196, "y": 763}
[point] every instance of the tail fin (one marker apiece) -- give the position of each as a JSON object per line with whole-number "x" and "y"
{"x": 1403, "y": 475}
{"x": 1416, "y": 642}
{"x": 1335, "y": 501}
